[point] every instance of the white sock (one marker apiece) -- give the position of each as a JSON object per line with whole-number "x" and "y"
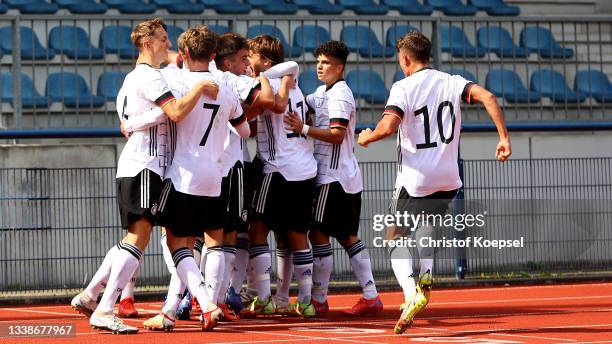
{"x": 214, "y": 270}
{"x": 250, "y": 275}
{"x": 362, "y": 268}
{"x": 229, "y": 254}
{"x": 262, "y": 264}
{"x": 241, "y": 261}
{"x": 202, "y": 263}
{"x": 197, "y": 252}
{"x": 401, "y": 262}
{"x": 100, "y": 278}
{"x": 302, "y": 263}
{"x": 189, "y": 273}
{"x": 128, "y": 291}
{"x": 426, "y": 254}
{"x": 175, "y": 294}
{"x": 284, "y": 272}
{"x": 167, "y": 254}
{"x": 124, "y": 265}
{"x": 322, "y": 266}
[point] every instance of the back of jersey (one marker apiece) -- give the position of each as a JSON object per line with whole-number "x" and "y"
{"x": 198, "y": 140}
{"x": 429, "y": 105}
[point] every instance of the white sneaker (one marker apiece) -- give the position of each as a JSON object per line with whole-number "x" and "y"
{"x": 110, "y": 322}
{"x": 161, "y": 322}
{"x": 83, "y": 304}
{"x": 281, "y": 305}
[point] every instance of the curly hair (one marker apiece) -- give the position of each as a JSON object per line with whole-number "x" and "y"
{"x": 335, "y": 49}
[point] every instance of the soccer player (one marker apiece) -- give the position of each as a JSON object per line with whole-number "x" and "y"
{"x": 337, "y": 201}
{"x": 289, "y": 169}
{"x": 426, "y": 107}
{"x": 139, "y": 172}
{"x": 191, "y": 202}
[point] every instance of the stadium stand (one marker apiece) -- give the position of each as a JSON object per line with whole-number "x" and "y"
{"x": 453, "y": 40}
{"x": 73, "y": 42}
{"x": 131, "y": 6}
{"x": 30, "y": 98}
{"x": 32, "y": 6}
{"x": 395, "y": 32}
{"x": 540, "y": 40}
{"x": 179, "y": 6}
{"x": 506, "y": 84}
{"x": 364, "y": 7}
{"x": 115, "y": 39}
{"x": 227, "y": 6}
{"x": 82, "y": 6}
{"x": 71, "y": 89}
{"x": 173, "y": 33}
{"x": 3, "y": 8}
{"x": 308, "y": 81}
{"x": 399, "y": 75}
{"x": 31, "y": 48}
{"x": 408, "y": 7}
{"x": 467, "y": 75}
{"x": 308, "y": 37}
{"x": 273, "y": 31}
{"x": 367, "y": 85}
{"x": 109, "y": 84}
{"x": 594, "y": 84}
{"x": 552, "y": 84}
{"x": 495, "y": 7}
{"x": 362, "y": 40}
{"x": 319, "y": 6}
{"x": 497, "y": 40}
{"x": 452, "y": 7}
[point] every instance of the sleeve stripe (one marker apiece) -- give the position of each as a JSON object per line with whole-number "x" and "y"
{"x": 338, "y": 122}
{"x": 253, "y": 95}
{"x": 164, "y": 99}
{"x": 394, "y": 110}
{"x": 466, "y": 95}
{"x": 236, "y": 121}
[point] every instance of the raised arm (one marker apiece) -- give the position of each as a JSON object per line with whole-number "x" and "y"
{"x": 282, "y": 97}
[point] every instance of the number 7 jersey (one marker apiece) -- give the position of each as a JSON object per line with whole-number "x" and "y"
{"x": 429, "y": 105}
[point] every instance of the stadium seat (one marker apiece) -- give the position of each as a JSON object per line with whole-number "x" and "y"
{"x": 227, "y": 6}
{"x": 364, "y": 7}
{"x": 173, "y": 33}
{"x": 31, "y": 48}
{"x": 399, "y": 75}
{"x": 279, "y": 7}
{"x": 367, "y": 85}
{"x": 453, "y": 40}
{"x": 594, "y": 84}
{"x": 395, "y": 32}
{"x": 131, "y": 6}
{"x": 408, "y": 7}
{"x": 452, "y": 7}
{"x": 362, "y": 40}
{"x": 257, "y": 3}
{"x": 82, "y": 6}
{"x": 541, "y": 40}
{"x": 3, "y": 8}
{"x": 31, "y": 6}
{"x": 273, "y": 31}
{"x": 308, "y": 81}
{"x": 30, "y": 98}
{"x": 309, "y": 37}
{"x": 552, "y": 84}
{"x": 115, "y": 39}
{"x": 73, "y": 42}
{"x": 218, "y": 28}
{"x": 109, "y": 84}
{"x": 319, "y": 6}
{"x": 466, "y": 74}
{"x": 72, "y": 90}
{"x": 497, "y": 40}
{"x": 495, "y": 7}
{"x": 179, "y": 6}
{"x": 506, "y": 84}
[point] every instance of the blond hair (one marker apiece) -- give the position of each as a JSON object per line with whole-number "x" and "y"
{"x": 268, "y": 47}
{"x": 200, "y": 41}
{"x": 146, "y": 29}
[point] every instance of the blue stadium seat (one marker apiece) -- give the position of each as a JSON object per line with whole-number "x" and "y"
{"x": 131, "y": 6}
{"x": 552, "y": 84}
{"x": 594, "y": 84}
{"x": 115, "y": 39}
{"x": 541, "y": 40}
{"x": 273, "y": 31}
{"x": 257, "y": 3}
{"x": 218, "y": 28}
{"x": 72, "y": 90}
{"x": 82, "y": 6}
{"x": 73, "y": 42}
{"x": 227, "y": 6}
{"x": 319, "y": 6}
{"x": 452, "y": 7}
{"x": 179, "y": 6}
{"x": 395, "y": 32}
{"x": 3, "y": 8}
{"x": 399, "y": 75}
{"x": 466, "y": 74}
{"x": 109, "y": 84}
{"x": 31, "y": 6}
{"x": 274, "y": 6}
{"x": 506, "y": 84}
{"x": 309, "y": 37}
{"x": 30, "y": 98}
{"x": 308, "y": 81}
{"x": 31, "y": 48}
{"x": 367, "y": 85}
{"x": 408, "y": 7}
{"x": 496, "y": 39}
{"x": 173, "y": 34}
{"x": 362, "y": 40}
{"x": 453, "y": 40}
{"x": 495, "y": 7}
{"x": 364, "y": 6}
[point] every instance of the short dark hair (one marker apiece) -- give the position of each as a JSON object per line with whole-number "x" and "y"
{"x": 269, "y": 47}
{"x": 334, "y": 49}
{"x": 228, "y": 45}
{"x": 416, "y": 45}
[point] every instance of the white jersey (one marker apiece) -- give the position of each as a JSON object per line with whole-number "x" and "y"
{"x": 281, "y": 149}
{"x": 143, "y": 89}
{"x": 334, "y": 107}
{"x": 199, "y": 159}
{"x": 429, "y": 104}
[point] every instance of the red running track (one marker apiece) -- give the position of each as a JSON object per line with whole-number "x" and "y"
{"x": 577, "y": 313}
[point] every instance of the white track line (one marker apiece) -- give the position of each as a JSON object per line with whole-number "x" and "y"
{"x": 303, "y": 337}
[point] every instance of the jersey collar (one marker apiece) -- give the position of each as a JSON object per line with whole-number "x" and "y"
{"x": 332, "y": 85}
{"x": 200, "y": 71}
{"x": 422, "y": 69}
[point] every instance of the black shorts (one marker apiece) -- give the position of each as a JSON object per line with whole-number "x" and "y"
{"x": 434, "y": 204}
{"x": 236, "y": 189}
{"x": 138, "y": 197}
{"x": 283, "y": 205}
{"x": 336, "y": 212}
{"x": 189, "y": 215}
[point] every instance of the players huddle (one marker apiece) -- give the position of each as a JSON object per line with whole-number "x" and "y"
{"x": 186, "y": 168}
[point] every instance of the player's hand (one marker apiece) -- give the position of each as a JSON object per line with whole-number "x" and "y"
{"x": 364, "y": 135}
{"x": 211, "y": 89}
{"x": 125, "y": 133}
{"x": 293, "y": 122}
{"x": 503, "y": 150}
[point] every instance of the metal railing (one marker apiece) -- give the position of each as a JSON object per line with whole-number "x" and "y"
{"x": 589, "y": 39}
{"x": 57, "y": 224}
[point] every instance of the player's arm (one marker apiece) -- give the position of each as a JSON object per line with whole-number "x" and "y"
{"x": 335, "y": 134}
{"x": 150, "y": 118}
{"x": 387, "y": 126}
{"x": 478, "y": 94}
{"x": 178, "y": 109}
{"x": 260, "y": 97}
{"x": 282, "y": 97}
{"x": 282, "y": 69}
{"x": 239, "y": 120}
